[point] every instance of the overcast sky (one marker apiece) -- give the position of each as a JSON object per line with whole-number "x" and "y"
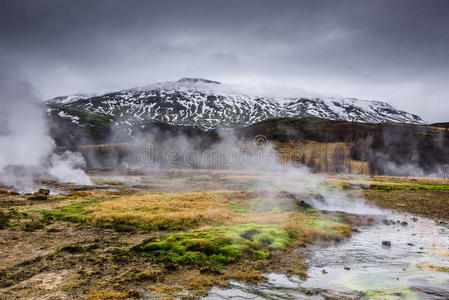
{"x": 391, "y": 50}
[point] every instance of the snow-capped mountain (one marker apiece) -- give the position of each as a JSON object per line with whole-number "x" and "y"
{"x": 70, "y": 98}
{"x": 209, "y": 104}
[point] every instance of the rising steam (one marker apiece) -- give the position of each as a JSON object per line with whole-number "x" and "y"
{"x": 26, "y": 148}
{"x": 257, "y": 156}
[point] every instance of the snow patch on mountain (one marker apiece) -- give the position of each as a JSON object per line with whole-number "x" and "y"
{"x": 70, "y": 98}
{"x": 209, "y": 104}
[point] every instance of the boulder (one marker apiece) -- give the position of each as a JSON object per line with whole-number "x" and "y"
{"x": 386, "y": 243}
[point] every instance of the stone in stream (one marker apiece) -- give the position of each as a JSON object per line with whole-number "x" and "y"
{"x": 386, "y": 243}
{"x": 404, "y": 223}
{"x": 347, "y": 268}
{"x": 324, "y": 271}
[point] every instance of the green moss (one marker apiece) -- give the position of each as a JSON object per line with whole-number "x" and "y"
{"x": 399, "y": 293}
{"x": 236, "y": 208}
{"x": 217, "y": 246}
{"x": 389, "y": 187}
{"x": 318, "y": 220}
{"x": 74, "y": 212}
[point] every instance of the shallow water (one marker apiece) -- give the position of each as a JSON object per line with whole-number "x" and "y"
{"x": 373, "y": 271}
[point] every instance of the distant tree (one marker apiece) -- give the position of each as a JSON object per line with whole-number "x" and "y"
{"x": 312, "y": 163}
{"x": 326, "y": 153}
{"x": 445, "y": 172}
{"x": 338, "y": 159}
{"x": 361, "y": 151}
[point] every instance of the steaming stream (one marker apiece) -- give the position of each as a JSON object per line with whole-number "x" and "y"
{"x": 397, "y": 272}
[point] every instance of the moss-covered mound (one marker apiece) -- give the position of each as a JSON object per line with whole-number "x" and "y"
{"x": 217, "y": 246}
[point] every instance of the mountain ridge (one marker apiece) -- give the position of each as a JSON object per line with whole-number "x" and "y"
{"x": 210, "y": 104}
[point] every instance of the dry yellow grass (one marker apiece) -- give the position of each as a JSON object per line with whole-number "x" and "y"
{"x": 108, "y": 295}
{"x": 202, "y": 210}
{"x": 169, "y": 210}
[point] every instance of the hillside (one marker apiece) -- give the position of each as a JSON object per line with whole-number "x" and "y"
{"x": 323, "y": 145}
{"x": 208, "y": 105}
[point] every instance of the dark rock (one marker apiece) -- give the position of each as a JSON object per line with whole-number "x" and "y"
{"x": 299, "y": 200}
{"x": 44, "y": 192}
{"x": 72, "y": 249}
{"x": 415, "y": 219}
{"x": 37, "y": 197}
{"x": 318, "y": 197}
{"x": 347, "y": 268}
{"x": 41, "y": 194}
{"x": 303, "y": 205}
{"x": 324, "y": 271}
{"x": 386, "y": 243}
{"x": 404, "y": 223}
{"x": 249, "y": 234}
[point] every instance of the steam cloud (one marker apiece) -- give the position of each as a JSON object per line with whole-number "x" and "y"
{"x": 258, "y": 157}
{"x": 26, "y": 148}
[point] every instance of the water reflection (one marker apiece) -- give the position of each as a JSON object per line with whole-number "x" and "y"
{"x": 415, "y": 266}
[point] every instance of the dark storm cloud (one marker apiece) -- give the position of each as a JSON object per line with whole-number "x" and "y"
{"x": 395, "y": 51}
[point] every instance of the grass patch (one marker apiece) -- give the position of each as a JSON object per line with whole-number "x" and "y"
{"x": 429, "y": 203}
{"x": 389, "y": 187}
{"x": 217, "y": 246}
{"x": 236, "y": 207}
